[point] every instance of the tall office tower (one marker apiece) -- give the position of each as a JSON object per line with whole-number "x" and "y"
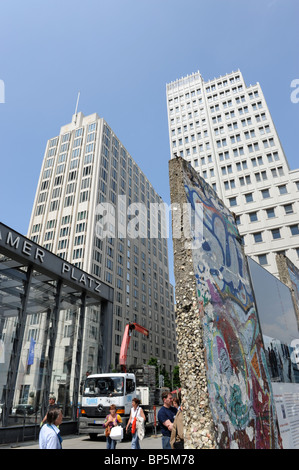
{"x": 225, "y": 130}
{"x": 87, "y": 188}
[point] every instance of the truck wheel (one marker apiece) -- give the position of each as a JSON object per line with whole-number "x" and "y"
{"x": 93, "y": 436}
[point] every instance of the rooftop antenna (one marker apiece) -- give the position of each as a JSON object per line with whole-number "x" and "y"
{"x": 78, "y": 97}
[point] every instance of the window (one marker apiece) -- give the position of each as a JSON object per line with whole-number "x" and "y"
{"x": 265, "y": 193}
{"x": 272, "y": 156}
{"x": 262, "y": 259}
{"x": 253, "y": 94}
{"x": 276, "y": 233}
{"x": 221, "y": 143}
{"x": 229, "y": 184}
{"x": 260, "y": 117}
{"x": 238, "y": 151}
{"x": 249, "y": 134}
{"x": 268, "y": 143}
{"x": 257, "y": 237}
{"x": 235, "y": 138}
{"x": 253, "y": 217}
{"x": 270, "y": 212}
{"x": 260, "y": 176}
{"x": 246, "y": 122}
{"x": 294, "y": 229}
{"x": 248, "y": 197}
{"x": 232, "y": 201}
{"x": 288, "y": 208}
{"x": 253, "y": 147}
{"x": 283, "y": 189}
{"x": 224, "y": 155}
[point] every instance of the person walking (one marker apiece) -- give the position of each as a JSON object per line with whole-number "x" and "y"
{"x": 51, "y": 406}
{"x": 49, "y": 436}
{"x": 113, "y": 419}
{"x": 137, "y": 414}
{"x": 166, "y": 417}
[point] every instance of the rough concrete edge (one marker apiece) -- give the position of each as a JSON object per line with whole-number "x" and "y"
{"x": 198, "y": 422}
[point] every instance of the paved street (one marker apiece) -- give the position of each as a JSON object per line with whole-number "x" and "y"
{"x": 84, "y": 442}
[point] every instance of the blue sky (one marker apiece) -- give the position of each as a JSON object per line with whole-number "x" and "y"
{"x": 120, "y": 54}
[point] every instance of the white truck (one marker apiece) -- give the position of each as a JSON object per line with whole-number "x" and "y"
{"x": 102, "y": 390}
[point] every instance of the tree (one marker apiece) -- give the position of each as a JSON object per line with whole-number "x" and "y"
{"x": 153, "y": 361}
{"x": 176, "y": 377}
{"x": 167, "y": 381}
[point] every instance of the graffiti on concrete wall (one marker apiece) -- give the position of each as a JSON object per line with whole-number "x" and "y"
{"x": 239, "y": 386}
{"x": 294, "y": 278}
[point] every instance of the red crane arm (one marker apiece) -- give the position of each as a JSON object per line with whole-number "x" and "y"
{"x": 126, "y": 341}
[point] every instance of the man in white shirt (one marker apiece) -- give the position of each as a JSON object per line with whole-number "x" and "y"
{"x": 49, "y": 436}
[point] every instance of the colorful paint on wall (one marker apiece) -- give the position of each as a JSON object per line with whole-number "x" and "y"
{"x": 294, "y": 278}
{"x": 239, "y": 385}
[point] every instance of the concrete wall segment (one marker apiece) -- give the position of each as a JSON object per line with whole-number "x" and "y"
{"x": 224, "y": 375}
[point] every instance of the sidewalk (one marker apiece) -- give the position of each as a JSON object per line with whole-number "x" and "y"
{"x": 84, "y": 442}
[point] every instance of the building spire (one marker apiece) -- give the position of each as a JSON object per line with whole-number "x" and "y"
{"x": 76, "y": 110}
{"x": 78, "y": 97}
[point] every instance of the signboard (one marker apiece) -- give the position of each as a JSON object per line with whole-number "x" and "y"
{"x": 21, "y": 248}
{"x": 281, "y": 339}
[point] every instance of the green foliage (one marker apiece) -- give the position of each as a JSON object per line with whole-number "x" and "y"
{"x": 153, "y": 361}
{"x": 176, "y": 378}
{"x": 167, "y": 381}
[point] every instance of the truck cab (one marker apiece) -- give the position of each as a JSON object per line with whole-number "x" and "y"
{"x": 100, "y": 391}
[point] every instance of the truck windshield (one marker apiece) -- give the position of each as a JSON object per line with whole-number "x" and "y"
{"x": 104, "y": 387}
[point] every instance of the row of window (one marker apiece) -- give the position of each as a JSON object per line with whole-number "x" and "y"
{"x": 66, "y": 137}
{"x": 222, "y": 94}
{"x": 239, "y": 151}
{"x": 254, "y": 147}
{"x": 276, "y": 233}
{"x": 259, "y": 176}
{"x": 288, "y": 208}
{"x": 264, "y": 258}
{"x": 243, "y": 165}
{"x": 246, "y": 180}
{"x": 250, "y": 134}
{"x": 265, "y": 193}
{"x": 65, "y": 220}
{"x": 237, "y": 138}
{"x": 188, "y": 81}
{"x": 255, "y": 161}
{"x": 226, "y": 104}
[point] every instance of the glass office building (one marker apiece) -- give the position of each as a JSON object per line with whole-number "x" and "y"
{"x": 43, "y": 304}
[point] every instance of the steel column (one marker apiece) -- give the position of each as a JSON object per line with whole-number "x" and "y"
{"x": 54, "y": 317}
{"x": 17, "y": 348}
